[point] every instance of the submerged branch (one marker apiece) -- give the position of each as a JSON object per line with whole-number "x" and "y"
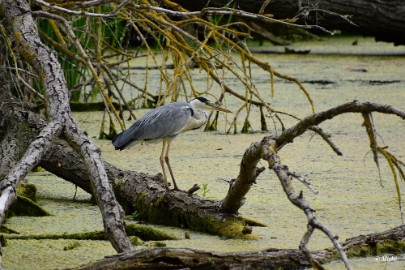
{"x": 31, "y": 158}
{"x": 391, "y": 241}
{"x": 145, "y": 233}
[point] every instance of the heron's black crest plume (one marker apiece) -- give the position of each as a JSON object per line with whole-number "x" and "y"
{"x": 202, "y": 99}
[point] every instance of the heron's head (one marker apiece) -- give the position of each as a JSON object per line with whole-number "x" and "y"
{"x": 203, "y": 103}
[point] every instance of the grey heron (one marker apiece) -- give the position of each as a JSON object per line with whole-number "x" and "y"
{"x": 165, "y": 123}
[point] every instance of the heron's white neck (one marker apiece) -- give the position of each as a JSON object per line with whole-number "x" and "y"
{"x": 199, "y": 117}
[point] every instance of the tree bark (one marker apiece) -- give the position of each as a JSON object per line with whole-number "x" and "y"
{"x": 383, "y": 19}
{"x": 60, "y": 124}
{"x": 154, "y": 204}
{"x": 135, "y": 191}
{"x": 146, "y": 193}
{"x": 391, "y": 241}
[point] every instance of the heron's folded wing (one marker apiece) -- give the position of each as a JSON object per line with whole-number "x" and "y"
{"x": 165, "y": 121}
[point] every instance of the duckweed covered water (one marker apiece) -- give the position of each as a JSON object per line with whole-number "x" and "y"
{"x": 350, "y": 200}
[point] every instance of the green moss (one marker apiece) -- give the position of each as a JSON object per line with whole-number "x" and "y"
{"x": 135, "y": 240}
{"x": 71, "y": 246}
{"x": 28, "y": 191}
{"x": 157, "y": 213}
{"x": 38, "y": 169}
{"x": 252, "y": 222}
{"x": 96, "y": 235}
{"x": 360, "y": 251}
{"x": 5, "y": 229}
{"x": 26, "y": 207}
{"x": 136, "y": 230}
{"x": 232, "y": 229}
{"x": 380, "y": 248}
{"x": 156, "y": 244}
{"x": 160, "y": 244}
{"x": 147, "y": 233}
{"x": 390, "y": 246}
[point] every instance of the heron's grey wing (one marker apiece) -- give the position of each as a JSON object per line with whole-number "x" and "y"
{"x": 165, "y": 121}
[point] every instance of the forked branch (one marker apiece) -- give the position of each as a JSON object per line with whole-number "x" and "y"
{"x": 45, "y": 62}
{"x": 298, "y": 200}
{"x": 268, "y": 150}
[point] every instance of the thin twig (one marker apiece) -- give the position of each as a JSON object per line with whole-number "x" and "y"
{"x": 303, "y": 181}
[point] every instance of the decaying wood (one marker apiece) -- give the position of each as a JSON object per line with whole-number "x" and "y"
{"x": 382, "y": 19}
{"x": 135, "y": 191}
{"x": 170, "y": 258}
{"x": 44, "y": 61}
{"x": 247, "y": 176}
{"x": 61, "y": 147}
{"x": 147, "y": 195}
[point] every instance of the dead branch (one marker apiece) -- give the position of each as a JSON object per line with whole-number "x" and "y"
{"x": 247, "y": 175}
{"x": 268, "y": 149}
{"x": 315, "y": 119}
{"x": 171, "y": 258}
{"x": 298, "y": 200}
{"x": 60, "y": 123}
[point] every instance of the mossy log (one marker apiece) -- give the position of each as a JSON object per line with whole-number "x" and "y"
{"x": 154, "y": 204}
{"x": 26, "y": 207}
{"x": 135, "y": 191}
{"x": 391, "y": 241}
{"x": 143, "y": 232}
{"x": 146, "y": 195}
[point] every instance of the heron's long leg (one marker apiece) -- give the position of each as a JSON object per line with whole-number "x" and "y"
{"x": 162, "y": 163}
{"x": 168, "y": 164}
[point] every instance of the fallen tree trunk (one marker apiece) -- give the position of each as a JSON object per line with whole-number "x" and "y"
{"x": 384, "y": 19}
{"x": 146, "y": 193}
{"x": 135, "y": 191}
{"x": 148, "y": 196}
{"x": 391, "y": 241}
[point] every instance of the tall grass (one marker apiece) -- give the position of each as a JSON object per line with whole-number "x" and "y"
{"x": 79, "y": 80}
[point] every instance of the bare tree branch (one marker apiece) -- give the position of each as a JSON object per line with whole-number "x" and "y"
{"x": 351, "y": 107}
{"x": 31, "y": 158}
{"x": 43, "y": 59}
{"x": 298, "y": 200}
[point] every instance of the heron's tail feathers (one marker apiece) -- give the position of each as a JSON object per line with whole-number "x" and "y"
{"x": 118, "y": 143}
{"x": 124, "y": 139}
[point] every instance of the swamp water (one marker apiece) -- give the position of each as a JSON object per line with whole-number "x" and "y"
{"x": 350, "y": 200}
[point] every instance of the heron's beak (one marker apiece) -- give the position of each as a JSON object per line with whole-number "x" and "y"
{"x": 215, "y": 107}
